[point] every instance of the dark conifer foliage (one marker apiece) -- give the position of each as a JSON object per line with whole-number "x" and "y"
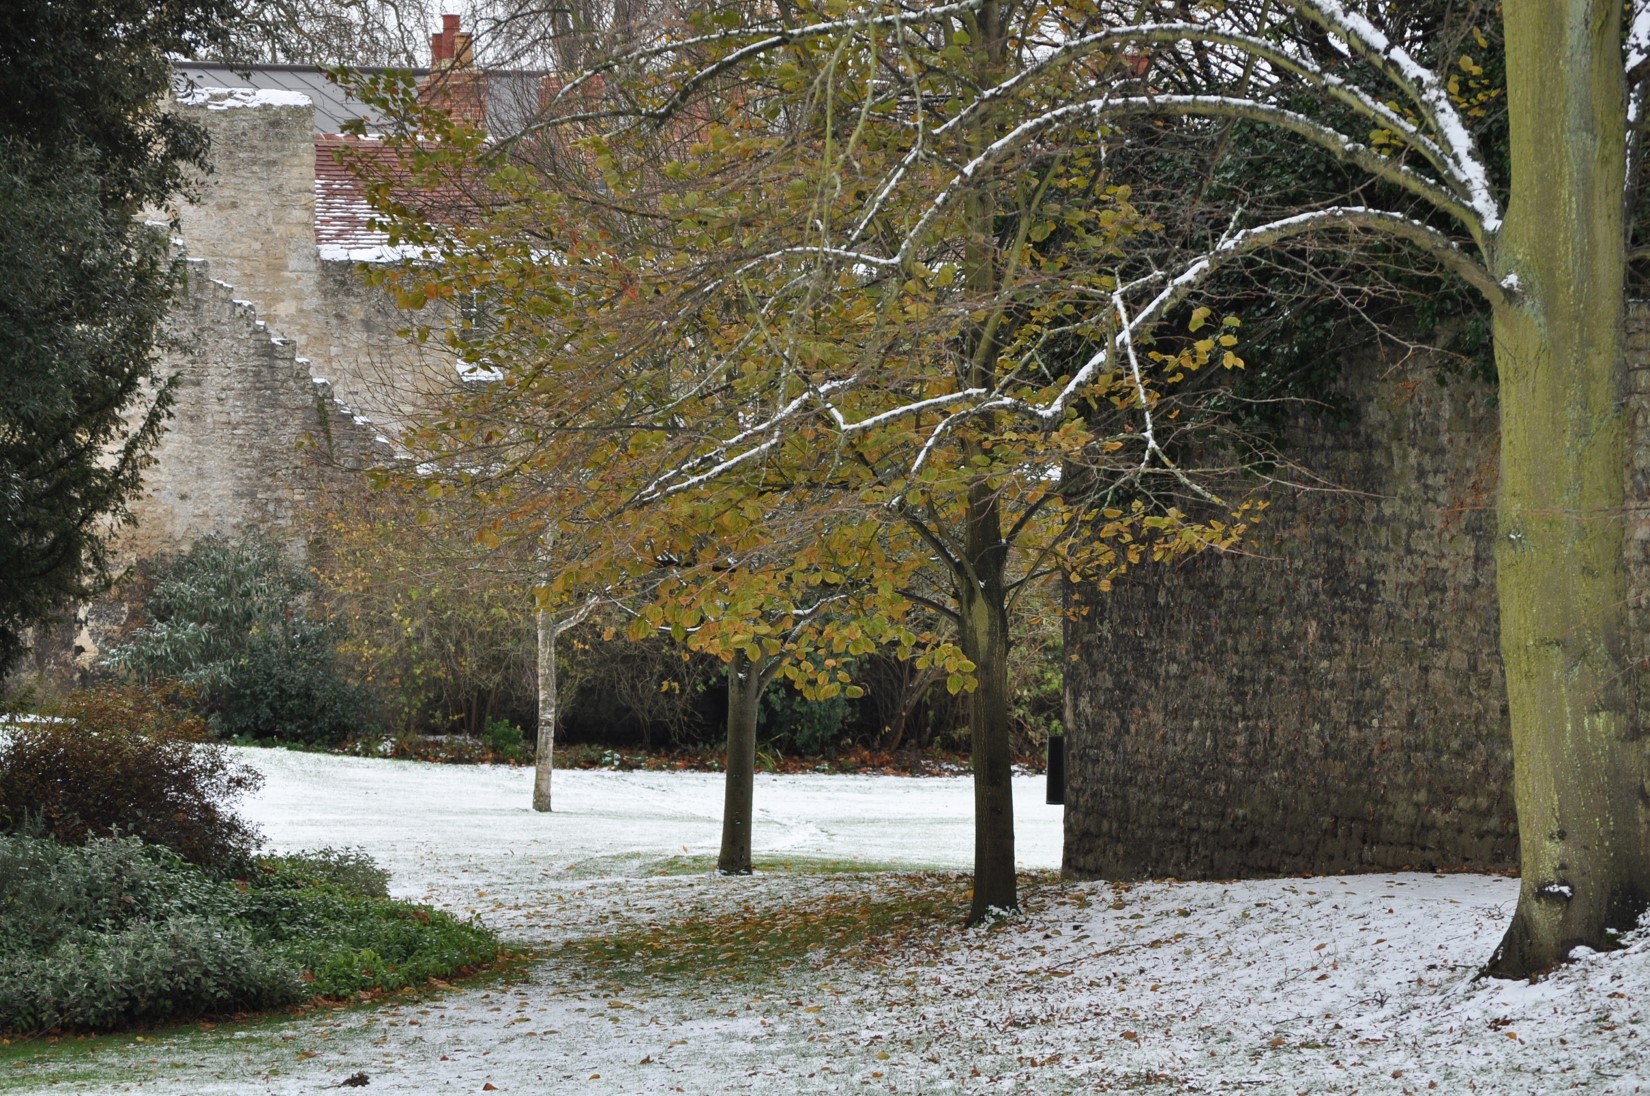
{"x": 86, "y": 145}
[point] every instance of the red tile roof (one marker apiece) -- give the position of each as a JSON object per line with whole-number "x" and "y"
{"x": 342, "y": 215}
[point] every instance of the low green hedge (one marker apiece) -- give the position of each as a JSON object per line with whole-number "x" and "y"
{"x": 116, "y": 932}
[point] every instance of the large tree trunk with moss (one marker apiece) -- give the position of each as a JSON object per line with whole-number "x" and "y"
{"x": 745, "y": 685}
{"x": 545, "y": 749}
{"x": 1580, "y": 767}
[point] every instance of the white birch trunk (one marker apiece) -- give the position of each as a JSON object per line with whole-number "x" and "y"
{"x": 544, "y": 761}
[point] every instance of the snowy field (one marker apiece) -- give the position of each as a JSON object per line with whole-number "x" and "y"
{"x": 1358, "y": 984}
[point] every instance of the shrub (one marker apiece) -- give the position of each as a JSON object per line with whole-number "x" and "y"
{"x": 798, "y": 725}
{"x": 288, "y": 686}
{"x": 350, "y": 871}
{"x": 116, "y": 932}
{"x": 125, "y": 761}
{"x": 505, "y": 741}
{"x": 231, "y": 622}
{"x": 146, "y": 973}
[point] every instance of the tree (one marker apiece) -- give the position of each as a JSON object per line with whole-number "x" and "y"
{"x": 85, "y": 146}
{"x": 760, "y": 594}
{"x": 432, "y": 622}
{"x": 906, "y": 346}
{"x": 1550, "y": 261}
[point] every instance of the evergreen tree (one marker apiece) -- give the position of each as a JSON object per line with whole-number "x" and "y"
{"x": 86, "y": 144}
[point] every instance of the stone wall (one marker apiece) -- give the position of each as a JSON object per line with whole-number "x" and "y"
{"x": 1329, "y": 700}
{"x": 251, "y": 429}
{"x": 254, "y": 220}
{"x": 289, "y": 367}
{"x": 253, "y": 216}
{"x": 252, "y": 435}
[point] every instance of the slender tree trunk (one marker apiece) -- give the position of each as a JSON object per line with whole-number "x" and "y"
{"x": 745, "y": 685}
{"x": 1580, "y": 768}
{"x": 544, "y": 752}
{"x": 985, "y": 641}
{"x": 982, "y": 595}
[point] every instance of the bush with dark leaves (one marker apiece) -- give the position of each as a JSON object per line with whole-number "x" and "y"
{"x": 126, "y": 761}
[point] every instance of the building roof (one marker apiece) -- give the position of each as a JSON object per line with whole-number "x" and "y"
{"x": 332, "y": 107}
{"x": 342, "y": 216}
{"x": 511, "y": 97}
{"x": 344, "y": 227}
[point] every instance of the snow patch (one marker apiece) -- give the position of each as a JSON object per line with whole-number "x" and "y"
{"x": 1330, "y": 985}
{"x": 373, "y": 253}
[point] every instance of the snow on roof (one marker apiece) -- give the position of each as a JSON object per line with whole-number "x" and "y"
{"x": 512, "y": 97}
{"x": 342, "y": 216}
{"x": 344, "y": 228}
{"x": 215, "y": 98}
{"x": 332, "y": 107}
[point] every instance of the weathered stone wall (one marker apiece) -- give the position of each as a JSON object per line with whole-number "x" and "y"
{"x": 254, "y": 214}
{"x": 289, "y": 367}
{"x": 251, "y": 430}
{"x": 1329, "y": 700}
{"x": 252, "y": 434}
{"x": 350, "y": 336}
{"x": 254, "y": 220}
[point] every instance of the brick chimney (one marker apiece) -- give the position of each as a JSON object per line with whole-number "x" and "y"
{"x": 453, "y": 85}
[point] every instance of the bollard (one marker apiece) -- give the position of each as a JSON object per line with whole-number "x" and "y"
{"x": 1056, "y": 769}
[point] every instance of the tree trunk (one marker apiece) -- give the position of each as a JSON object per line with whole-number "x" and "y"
{"x": 1580, "y": 768}
{"x": 982, "y": 595}
{"x": 985, "y": 641}
{"x": 745, "y": 685}
{"x": 544, "y": 751}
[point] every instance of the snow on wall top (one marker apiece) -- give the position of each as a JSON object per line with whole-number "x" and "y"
{"x": 229, "y": 98}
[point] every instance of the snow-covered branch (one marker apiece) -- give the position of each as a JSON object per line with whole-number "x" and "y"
{"x": 1423, "y": 87}
{"x": 1246, "y": 242}
{"x": 1188, "y": 105}
{"x": 1166, "y": 293}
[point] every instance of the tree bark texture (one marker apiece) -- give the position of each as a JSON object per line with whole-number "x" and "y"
{"x": 981, "y": 574}
{"x": 745, "y": 685}
{"x": 1580, "y": 771}
{"x": 544, "y": 751}
{"x": 985, "y": 641}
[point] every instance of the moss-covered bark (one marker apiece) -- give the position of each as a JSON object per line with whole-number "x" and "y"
{"x": 1580, "y": 769}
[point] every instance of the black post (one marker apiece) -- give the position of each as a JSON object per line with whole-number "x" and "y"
{"x": 1057, "y": 769}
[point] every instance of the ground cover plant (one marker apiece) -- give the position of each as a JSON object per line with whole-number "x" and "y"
{"x": 117, "y": 932}
{"x": 132, "y": 893}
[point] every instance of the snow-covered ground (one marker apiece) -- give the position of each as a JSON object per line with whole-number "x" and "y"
{"x": 1356, "y": 984}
